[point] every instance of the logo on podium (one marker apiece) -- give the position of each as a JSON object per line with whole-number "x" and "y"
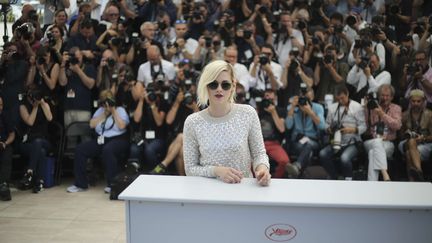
{"x": 280, "y": 232}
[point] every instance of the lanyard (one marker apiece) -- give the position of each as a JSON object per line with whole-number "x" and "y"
{"x": 339, "y": 116}
{"x": 103, "y": 125}
{"x": 415, "y": 125}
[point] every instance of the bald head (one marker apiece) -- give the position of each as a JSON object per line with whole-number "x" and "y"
{"x": 153, "y": 54}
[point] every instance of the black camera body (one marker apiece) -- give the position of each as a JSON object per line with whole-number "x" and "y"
{"x": 51, "y": 39}
{"x": 26, "y": 30}
{"x": 328, "y": 58}
{"x": 301, "y": 25}
{"x": 110, "y": 101}
{"x": 351, "y": 20}
{"x": 361, "y": 43}
{"x": 303, "y": 100}
{"x": 262, "y": 9}
{"x": 372, "y": 101}
{"x": 208, "y": 42}
{"x": 264, "y": 59}
{"x": 73, "y": 59}
{"x": 117, "y": 41}
{"x": 188, "y": 98}
{"x": 266, "y": 103}
{"x": 247, "y": 34}
{"x": 338, "y": 28}
{"x": 403, "y": 51}
{"x": 111, "y": 62}
{"x": 293, "y": 66}
{"x": 413, "y": 68}
{"x": 35, "y": 94}
{"x": 40, "y": 60}
{"x": 151, "y": 93}
{"x": 364, "y": 62}
{"x": 375, "y": 30}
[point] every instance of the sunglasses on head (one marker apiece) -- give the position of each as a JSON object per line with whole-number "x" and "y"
{"x": 214, "y": 85}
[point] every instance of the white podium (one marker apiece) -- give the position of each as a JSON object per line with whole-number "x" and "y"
{"x": 171, "y": 209}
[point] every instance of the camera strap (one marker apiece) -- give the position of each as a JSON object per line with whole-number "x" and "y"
{"x": 154, "y": 73}
{"x": 104, "y": 123}
{"x": 415, "y": 124}
{"x": 339, "y": 116}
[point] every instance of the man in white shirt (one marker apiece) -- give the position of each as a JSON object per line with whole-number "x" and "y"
{"x": 265, "y": 73}
{"x": 367, "y": 77}
{"x": 156, "y": 68}
{"x": 288, "y": 39}
{"x": 181, "y": 48}
{"x": 240, "y": 71}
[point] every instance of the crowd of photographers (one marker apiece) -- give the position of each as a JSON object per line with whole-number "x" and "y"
{"x": 330, "y": 80}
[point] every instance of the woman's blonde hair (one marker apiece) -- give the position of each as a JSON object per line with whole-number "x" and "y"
{"x": 106, "y": 94}
{"x": 210, "y": 74}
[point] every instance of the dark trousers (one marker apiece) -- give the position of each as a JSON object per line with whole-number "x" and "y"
{"x": 149, "y": 152}
{"x": 110, "y": 153}
{"x": 305, "y": 151}
{"x": 327, "y": 159}
{"x": 5, "y": 164}
{"x": 36, "y": 151}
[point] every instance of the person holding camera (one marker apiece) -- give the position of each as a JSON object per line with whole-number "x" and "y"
{"x": 35, "y": 113}
{"x": 7, "y": 137}
{"x": 29, "y": 15}
{"x": 248, "y": 42}
{"x": 60, "y": 20}
{"x": 366, "y": 45}
{"x": 366, "y": 76}
{"x": 417, "y": 130}
{"x": 50, "y": 9}
{"x": 83, "y": 16}
{"x": 149, "y": 131}
{"x": 181, "y": 46}
{"x": 149, "y": 10}
{"x": 384, "y": 119}
{"x": 209, "y": 49}
{"x": 156, "y": 69}
{"x": 266, "y": 74}
{"x": 85, "y": 40}
{"x": 329, "y": 73}
{"x": 306, "y": 120}
{"x": 287, "y": 38}
{"x": 78, "y": 79}
{"x": 242, "y": 74}
{"x": 54, "y": 38}
{"x": 110, "y": 123}
{"x": 345, "y": 122}
{"x": 418, "y": 76}
{"x": 272, "y": 119}
{"x": 108, "y": 72}
{"x": 184, "y": 105}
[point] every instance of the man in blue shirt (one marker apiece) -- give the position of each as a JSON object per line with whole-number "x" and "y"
{"x": 306, "y": 121}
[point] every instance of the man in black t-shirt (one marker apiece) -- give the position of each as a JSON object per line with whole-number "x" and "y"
{"x": 7, "y": 136}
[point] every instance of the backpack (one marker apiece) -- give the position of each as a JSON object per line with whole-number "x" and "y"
{"x": 124, "y": 179}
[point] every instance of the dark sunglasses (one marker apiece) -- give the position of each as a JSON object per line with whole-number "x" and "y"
{"x": 214, "y": 85}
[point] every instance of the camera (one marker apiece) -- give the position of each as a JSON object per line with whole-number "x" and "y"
{"x": 229, "y": 24}
{"x": 136, "y": 42}
{"x": 247, "y": 34}
{"x": 264, "y": 59}
{"x": 303, "y": 101}
{"x": 403, "y": 51}
{"x": 208, "y": 42}
{"x": 73, "y": 59}
{"x": 151, "y": 94}
{"x": 337, "y": 139}
{"x": 338, "y": 28}
{"x": 266, "y": 103}
{"x": 351, "y": 20}
{"x": 162, "y": 25}
{"x": 32, "y": 15}
{"x": 315, "y": 40}
{"x": 293, "y": 66}
{"x": 410, "y": 134}
{"x": 111, "y": 62}
{"x": 160, "y": 80}
{"x": 25, "y": 30}
{"x": 170, "y": 45}
{"x": 375, "y": 30}
{"x": 413, "y": 68}
{"x": 51, "y": 39}
{"x": 372, "y": 101}
{"x": 35, "y": 94}
{"x": 40, "y": 60}
{"x": 328, "y": 58}
{"x": 364, "y": 62}
{"x": 196, "y": 15}
{"x": 262, "y": 9}
{"x": 110, "y": 101}
{"x": 301, "y": 25}
{"x": 188, "y": 98}
{"x": 360, "y": 43}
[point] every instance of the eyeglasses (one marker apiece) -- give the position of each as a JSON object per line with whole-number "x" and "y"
{"x": 214, "y": 85}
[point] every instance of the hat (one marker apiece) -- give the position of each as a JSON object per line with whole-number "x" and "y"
{"x": 417, "y": 93}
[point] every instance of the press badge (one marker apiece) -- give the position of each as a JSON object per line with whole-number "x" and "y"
{"x": 304, "y": 140}
{"x": 248, "y": 54}
{"x": 24, "y": 138}
{"x": 150, "y": 135}
{"x": 70, "y": 94}
{"x": 101, "y": 140}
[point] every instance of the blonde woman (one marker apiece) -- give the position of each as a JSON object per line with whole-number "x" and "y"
{"x": 224, "y": 140}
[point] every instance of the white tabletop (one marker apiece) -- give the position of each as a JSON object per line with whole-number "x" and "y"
{"x": 281, "y": 192}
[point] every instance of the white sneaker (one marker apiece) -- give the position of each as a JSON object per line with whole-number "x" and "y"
{"x": 107, "y": 189}
{"x": 74, "y": 188}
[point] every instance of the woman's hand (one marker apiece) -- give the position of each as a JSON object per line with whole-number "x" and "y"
{"x": 263, "y": 175}
{"x": 228, "y": 175}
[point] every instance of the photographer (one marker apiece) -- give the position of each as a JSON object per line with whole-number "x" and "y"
{"x": 345, "y": 122}
{"x": 329, "y": 73}
{"x": 209, "y": 49}
{"x": 306, "y": 121}
{"x": 182, "y": 46}
{"x": 383, "y": 119}
{"x": 366, "y": 76}
{"x": 417, "y": 130}
{"x": 366, "y": 45}
{"x": 149, "y": 10}
{"x": 248, "y": 42}
{"x": 287, "y": 38}
{"x": 29, "y": 15}
{"x": 418, "y": 76}
{"x": 149, "y": 133}
{"x": 293, "y": 76}
{"x": 273, "y": 127}
{"x": 85, "y": 40}
{"x": 337, "y": 36}
{"x": 184, "y": 105}
{"x": 14, "y": 69}
{"x": 265, "y": 73}
{"x": 83, "y": 16}
{"x": 50, "y": 9}
{"x": 60, "y": 20}
{"x": 242, "y": 74}
{"x": 7, "y": 137}
{"x": 110, "y": 123}
{"x": 77, "y": 79}
{"x": 156, "y": 69}
{"x": 108, "y": 72}
{"x": 35, "y": 114}
{"x": 137, "y": 53}
{"x": 54, "y": 39}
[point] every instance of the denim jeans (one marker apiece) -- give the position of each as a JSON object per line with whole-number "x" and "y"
{"x": 327, "y": 160}
{"x": 148, "y": 153}
{"x": 36, "y": 151}
{"x": 305, "y": 151}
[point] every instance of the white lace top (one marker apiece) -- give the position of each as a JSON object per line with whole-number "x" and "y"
{"x": 234, "y": 140}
